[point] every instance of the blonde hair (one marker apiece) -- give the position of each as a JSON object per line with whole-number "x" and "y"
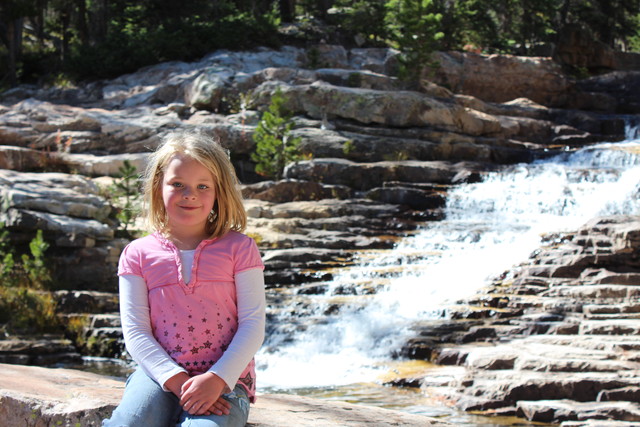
{"x": 228, "y": 206}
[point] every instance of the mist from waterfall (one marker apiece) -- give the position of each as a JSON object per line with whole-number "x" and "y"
{"x": 488, "y": 228}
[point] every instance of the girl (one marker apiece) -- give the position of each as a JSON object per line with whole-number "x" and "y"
{"x": 191, "y": 294}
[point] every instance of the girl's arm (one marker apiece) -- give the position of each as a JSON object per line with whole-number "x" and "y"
{"x": 139, "y": 339}
{"x": 251, "y": 326}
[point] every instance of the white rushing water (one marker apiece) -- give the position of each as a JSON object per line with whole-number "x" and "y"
{"x": 489, "y": 227}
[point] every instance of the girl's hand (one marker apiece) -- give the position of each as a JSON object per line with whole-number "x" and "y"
{"x": 201, "y": 392}
{"x": 220, "y": 407}
{"x": 176, "y": 382}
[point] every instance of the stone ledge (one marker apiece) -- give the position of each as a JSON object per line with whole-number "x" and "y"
{"x": 37, "y": 397}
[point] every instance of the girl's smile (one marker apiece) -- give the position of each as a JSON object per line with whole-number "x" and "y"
{"x": 188, "y": 193}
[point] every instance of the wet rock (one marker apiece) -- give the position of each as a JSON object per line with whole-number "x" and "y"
{"x": 571, "y": 352}
{"x": 565, "y": 410}
{"x": 44, "y": 350}
{"x": 629, "y": 394}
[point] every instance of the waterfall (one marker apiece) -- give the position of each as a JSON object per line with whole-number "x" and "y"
{"x": 489, "y": 227}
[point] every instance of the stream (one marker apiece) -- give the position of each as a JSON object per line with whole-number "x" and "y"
{"x": 339, "y": 345}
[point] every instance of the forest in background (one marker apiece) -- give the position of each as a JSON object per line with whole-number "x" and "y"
{"x": 58, "y": 42}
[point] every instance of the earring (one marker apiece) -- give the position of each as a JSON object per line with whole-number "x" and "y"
{"x": 212, "y": 216}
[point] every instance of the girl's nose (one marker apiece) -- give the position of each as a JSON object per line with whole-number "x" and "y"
{"x": 188, "y": 194}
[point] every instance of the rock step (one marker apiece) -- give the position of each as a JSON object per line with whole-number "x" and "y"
{"x": 617, "y": 309}
{"x": 41, "y": 351}
{"x": 612, "y": 316}
{"x": 95, "y": 334}
{"x": 93, "y": 321}
{"x": 569, "y": 410}
{"x": 86, "y": 302}
{"x": 106, "y": 321}
{"x": 599, "y": 423}
{"x": 610, "y": 327}
{"x": 622, "y": 293}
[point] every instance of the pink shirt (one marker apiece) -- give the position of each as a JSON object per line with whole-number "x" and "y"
{"x": 194, "y": 322}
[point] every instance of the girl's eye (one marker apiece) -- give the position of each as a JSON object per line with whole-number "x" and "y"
{"x": 203, "y": 186}
{"x": 176, "y": 184}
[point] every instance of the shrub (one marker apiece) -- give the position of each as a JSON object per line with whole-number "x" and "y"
{"x": 126, "y": 189}
{"x": 25, "y": 306}
{"x": 275, "y": 146}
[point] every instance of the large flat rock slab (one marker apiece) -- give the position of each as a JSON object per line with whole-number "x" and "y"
{"x": 38, "y": 397}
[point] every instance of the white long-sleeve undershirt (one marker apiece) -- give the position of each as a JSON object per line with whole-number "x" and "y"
{"x": 154, "y": 360}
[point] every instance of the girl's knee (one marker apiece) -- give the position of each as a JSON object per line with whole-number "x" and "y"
{"x": 144, "y": 403}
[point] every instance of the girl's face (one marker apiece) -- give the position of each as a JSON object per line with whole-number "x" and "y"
{"x": 188, "y": 193}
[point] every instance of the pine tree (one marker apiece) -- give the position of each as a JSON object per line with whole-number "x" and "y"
{"x": 275, "y": 146}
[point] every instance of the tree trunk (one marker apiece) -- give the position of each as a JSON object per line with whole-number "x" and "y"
{"x": 99, "y": 17}
{"x": 83, "y": 30}
{"x": 14, "y": 46}
{"x": 287, "y": 10}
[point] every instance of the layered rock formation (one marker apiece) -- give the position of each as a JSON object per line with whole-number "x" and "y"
{"x": 379, "y": 161}
{"x": 370, "y": 142}
{"x": 555, "y": 340}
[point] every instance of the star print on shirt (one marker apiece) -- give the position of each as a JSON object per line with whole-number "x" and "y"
{"x": 204, "y": 320}
{"x": 207, "y": 344}
{"x": 195, "y": 350}
{"x": 191, "y": 329}
{"x": 248, "y": 381}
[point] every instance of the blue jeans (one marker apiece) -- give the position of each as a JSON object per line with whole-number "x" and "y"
{"x": 145, "y": 404}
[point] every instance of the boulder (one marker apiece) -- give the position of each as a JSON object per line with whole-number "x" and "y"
{"x": 20, "y": 158}
{"x": 370, "y": 106}
{"x": 498, "y": 78}
{"x": 68, "y": 397}
{"x": 365, "y": 176}
{"x": 56, "y": 193}
{"x": 107, "y": 165}
{"x": 577, "y": 48}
